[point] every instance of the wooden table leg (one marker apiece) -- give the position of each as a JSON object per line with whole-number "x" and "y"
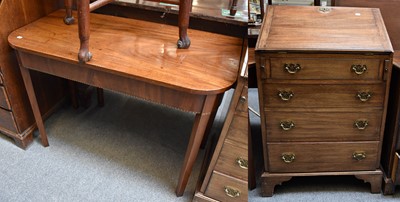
{"x": 26, "y": 76}
{"x": 211, "y": 120}
{"x": 196, "y": 137}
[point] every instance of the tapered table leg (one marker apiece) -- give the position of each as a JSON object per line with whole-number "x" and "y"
{"x": 196, "y": 137}
{"x": 26, "y": 76}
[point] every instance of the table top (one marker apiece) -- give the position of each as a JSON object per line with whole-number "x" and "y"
{"x": 140, "y": 50}
{"x": 311, "y": 28}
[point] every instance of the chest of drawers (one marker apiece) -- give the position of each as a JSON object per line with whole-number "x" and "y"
{"x": 323, "y": 77}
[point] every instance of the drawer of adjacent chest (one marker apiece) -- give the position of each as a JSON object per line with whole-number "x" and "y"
{"x": 322, "y": 156}
{"x": 324, "y": 68}
{"x": 323, "y": 126}
{"x": 233, "y": 161}
{"x": 4, "y": 103}
{"x": 7, "y": 120}
{"x": 225, "y": 188}
{"x": 317, "y": 96}
{"x": 238, "y": 129}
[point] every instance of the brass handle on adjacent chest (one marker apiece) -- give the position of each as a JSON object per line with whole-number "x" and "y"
{"x": 359, "y": 69}
{"x": 359, "y": 155}
{"x": 287, "y": 125}
{"x": 361, "y": 124}
{"x": 288, "y": 157}
{"x": 243, "y": 163}
{"x": 285, "y": 95}
{"x": 231, "y": 192}
{"x": 364, "y": 96}
{"x": 292, "y": 68}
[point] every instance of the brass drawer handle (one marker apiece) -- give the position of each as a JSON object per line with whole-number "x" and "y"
{"x": 288, "y": 157}
{"x": 359, "y": 155}
{"x": 359, "y": 69}
{"x": 364, "y": 96}
{"x": 287, "y": 125}
{"x": 361, "y": 124}
{"x": 285, "y": 95}
{"x": 242, "y": 163}
{"x": 231, "y": 192}
{"x": 292, "y": 68}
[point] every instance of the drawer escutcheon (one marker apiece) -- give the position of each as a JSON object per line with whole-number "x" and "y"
{"x": 231, "y": 192}
{"x": 242, "y": 163}
{"x": 361, "y": 124}
{"x": 359, "y": 69}
{"x": 287, "y": 125}
{"x": 364, "y": 96}
{"x": 359, "y": 155}
{"x": 292, "y": 68}
{"x": 285, "y": 95}
{"x": 288, "y": 157}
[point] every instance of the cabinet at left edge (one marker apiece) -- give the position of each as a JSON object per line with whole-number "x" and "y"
{"x": 16, "y": 117}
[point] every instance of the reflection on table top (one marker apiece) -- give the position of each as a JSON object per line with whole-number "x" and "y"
{"x": 206, "y": 9}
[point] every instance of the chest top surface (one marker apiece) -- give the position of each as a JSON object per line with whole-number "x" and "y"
{"x": 335, "y": 29}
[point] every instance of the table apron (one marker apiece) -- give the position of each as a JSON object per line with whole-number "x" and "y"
{"x": 181, "y": 100}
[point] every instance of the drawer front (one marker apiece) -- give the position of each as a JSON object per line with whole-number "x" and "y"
{"x": 233, "y": 161}
{"x": 225, "y": 188}
{"x": 323, "y": 96}
{"x": 322, "y": 156}
{"x": 323, "y": 126}
{"x": 325, "y": 68}
{"x": 4, "y": 103}
{"x": 237, "y": 132}
{"x": 7, "y": 120}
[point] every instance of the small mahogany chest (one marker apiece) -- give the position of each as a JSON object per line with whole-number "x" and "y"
{"x": 323, "y": 77}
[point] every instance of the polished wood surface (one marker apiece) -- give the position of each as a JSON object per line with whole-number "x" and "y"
{"x": 320, "y": 157}
{"x": 210, "y": 66}
{"x": 322, "y": 87}
{"x": 141, "y": 61}
{"x": 205, "y": 9}
{"x": 288, "y": 34}
{"x": 389, "y": 10}
{"x": 17, "y": 120}
{"x": 308, "y": 126}
{"x": 84, "y": 7}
